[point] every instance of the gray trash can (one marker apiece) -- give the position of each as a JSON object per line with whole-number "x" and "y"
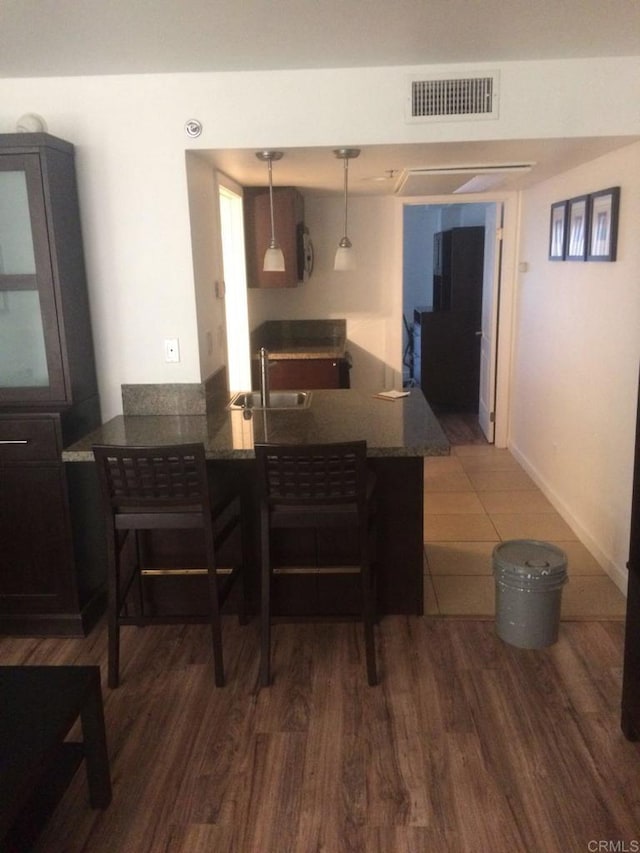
{"x": 529, "y": 577}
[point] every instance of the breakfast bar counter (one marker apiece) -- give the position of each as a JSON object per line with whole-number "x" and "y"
{"x": 405, "y": 427}
{"x": 399, "y": 434}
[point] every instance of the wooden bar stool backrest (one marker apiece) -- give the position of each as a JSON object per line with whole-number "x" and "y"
{"x": 315, "y": 483}
{"x": 154, "y": 480}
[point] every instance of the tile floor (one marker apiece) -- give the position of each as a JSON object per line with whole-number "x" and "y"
{"x": 478, "y": 497}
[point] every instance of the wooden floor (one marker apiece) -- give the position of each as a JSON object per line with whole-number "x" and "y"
{"x": 468, "y": 744}
{"x": 461, "y": 427}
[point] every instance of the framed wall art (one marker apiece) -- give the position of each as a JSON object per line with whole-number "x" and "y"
{"x": 577, "y": 228}
{"x": 557, "y": 231}
{"x": 603, "y": 228}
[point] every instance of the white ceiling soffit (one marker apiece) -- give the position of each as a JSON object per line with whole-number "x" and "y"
{"x": 382, "y": 170}
{"x": 460, "y": 179}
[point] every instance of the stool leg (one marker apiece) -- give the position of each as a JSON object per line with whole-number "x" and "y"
{"x": 244, "y": 556}
{"x": 140, "y": 540}
{"x": 265, "y": 599}
{"x": 214, "y": 609}
{"x": 368, "y": 611}
{"x": 369, "y": 640}
{"x": 216, "y": 637}
{"x": 114, "y": 650}
{"x": 113, "y": 624}
{"x": 216, "y": 629}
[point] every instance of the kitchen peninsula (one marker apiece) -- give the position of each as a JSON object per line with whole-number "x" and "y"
{"x": 398, "y": 433}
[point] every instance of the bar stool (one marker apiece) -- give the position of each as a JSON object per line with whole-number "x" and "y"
{"x": 317, "y": 486}
{"x": 162, "y": 488}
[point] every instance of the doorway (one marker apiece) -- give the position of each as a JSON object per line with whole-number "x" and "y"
{"x": 451, "y": 279}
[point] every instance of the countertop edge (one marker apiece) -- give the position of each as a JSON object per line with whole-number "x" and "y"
{"x": 399, "y": 429}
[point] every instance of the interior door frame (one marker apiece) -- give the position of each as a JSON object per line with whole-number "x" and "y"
{"x": 489, "y": 325}
{"x": 506, "y": 295}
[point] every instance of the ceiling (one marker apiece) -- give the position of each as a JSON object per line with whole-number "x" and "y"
{"x": 42, "y": 38}
{"x": 387, "y": 169}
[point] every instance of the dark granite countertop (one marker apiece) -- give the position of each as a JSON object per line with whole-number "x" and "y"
{"x": 404, "y": 427}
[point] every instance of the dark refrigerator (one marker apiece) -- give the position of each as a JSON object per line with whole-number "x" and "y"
{"x": 447, "y": 334}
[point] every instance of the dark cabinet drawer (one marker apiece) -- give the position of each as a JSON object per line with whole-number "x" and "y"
{"x": 29, "y": 440}
{"x": 36, "y": 545}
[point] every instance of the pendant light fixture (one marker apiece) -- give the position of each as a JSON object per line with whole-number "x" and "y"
{"x": 273, "y": 257}
{"x": 345, "y": 257}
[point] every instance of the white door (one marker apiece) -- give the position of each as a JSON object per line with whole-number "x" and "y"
{"x": 489, "y": 330}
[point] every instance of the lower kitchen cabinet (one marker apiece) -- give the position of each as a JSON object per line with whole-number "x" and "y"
{"x": 292, "y": 374}
{"x": 46, "y": 586}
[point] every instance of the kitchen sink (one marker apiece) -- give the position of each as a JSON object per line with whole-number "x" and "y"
{"x": 277, "y": 400}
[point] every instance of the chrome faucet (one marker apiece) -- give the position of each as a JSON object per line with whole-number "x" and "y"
{"x": 263, "y": 355}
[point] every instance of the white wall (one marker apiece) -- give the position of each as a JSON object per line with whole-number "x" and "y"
{"x": 130, "y": 139}
{"x": 204, "y": 210}
{"x": 420, "y": 224}
{"x": 576, "y": 357}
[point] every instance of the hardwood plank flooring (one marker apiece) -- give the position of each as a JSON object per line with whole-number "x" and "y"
{"x": 461, "y": 427}
{"x": 467, "y": 745}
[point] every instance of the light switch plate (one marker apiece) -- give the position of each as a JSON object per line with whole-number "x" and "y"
{"x": 171, "y": 350}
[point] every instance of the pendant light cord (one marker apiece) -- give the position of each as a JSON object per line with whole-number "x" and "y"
{"x": 346, "y": 181}
{"x": 273, "y": 233}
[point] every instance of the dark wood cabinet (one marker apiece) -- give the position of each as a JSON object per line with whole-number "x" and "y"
{"x": 458, "y": 257}
{"x": 34, "y": 527}
{"x": 631, "y": 674}
{"x": 48, "y": 388}
{"x": 305, "y": 374}
{"x": 288, "y": 215}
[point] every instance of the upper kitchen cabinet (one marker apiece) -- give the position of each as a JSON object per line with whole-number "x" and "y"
{"x": 46, "y": 351}
{"x": 288, "y": 215}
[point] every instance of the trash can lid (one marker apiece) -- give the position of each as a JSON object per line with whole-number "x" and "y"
{"x": 528, "y": 556}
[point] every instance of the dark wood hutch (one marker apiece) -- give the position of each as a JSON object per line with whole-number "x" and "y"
{"x": 48, "y": 390}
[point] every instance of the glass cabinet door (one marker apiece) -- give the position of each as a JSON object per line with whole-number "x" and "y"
{"x": 30, "y": 353}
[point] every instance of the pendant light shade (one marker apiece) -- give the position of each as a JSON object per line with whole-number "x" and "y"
{"x": 273, "y": 257}
{"x": 345, "y": 256}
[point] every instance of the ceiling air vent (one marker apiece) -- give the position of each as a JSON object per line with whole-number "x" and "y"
{"x": 454, "y": 97}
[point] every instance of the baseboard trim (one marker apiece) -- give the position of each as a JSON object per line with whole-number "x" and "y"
{"x": 618, "y": 574}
